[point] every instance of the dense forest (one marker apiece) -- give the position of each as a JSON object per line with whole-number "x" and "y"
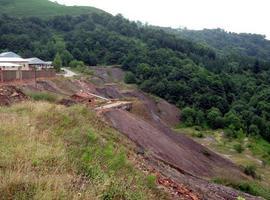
{"x": 228, "y": 44}
{"x": 213, "y": 88}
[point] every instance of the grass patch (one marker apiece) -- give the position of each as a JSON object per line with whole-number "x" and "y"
{"x": 252, "y": 188}
{"x": 43, "y": 96}
{"x": 48, "y": 151}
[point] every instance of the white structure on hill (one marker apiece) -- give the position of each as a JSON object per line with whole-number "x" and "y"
{"x": 38, "y": 63}
{"x": 12, "y": 61}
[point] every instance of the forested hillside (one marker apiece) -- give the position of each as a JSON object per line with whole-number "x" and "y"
{"x": 41, "y": 8}
{"x": 227, "y": 43}
{"x": 212, "y": 90}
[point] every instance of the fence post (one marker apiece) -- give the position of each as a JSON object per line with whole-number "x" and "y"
{"x": 1, "y": 76}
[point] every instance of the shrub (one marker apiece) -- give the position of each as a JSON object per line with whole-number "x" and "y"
{"x": 232, "y": 119}
{"x": 151, "y": 181}
{"x": 252, "y": 188}
{"x": 43, "y": 96}
{"x": 76, "y": 63}
{"x": 130, "y": 78}
{"x": 215, "y": 119}
{"x": 238, "y": 148}
{"x": 250, "y": 170}
{"x": 188, "y": 116}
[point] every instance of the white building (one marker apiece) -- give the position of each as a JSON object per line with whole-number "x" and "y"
{"x": 38, "y": 63}
{"x": 13, "y": 63}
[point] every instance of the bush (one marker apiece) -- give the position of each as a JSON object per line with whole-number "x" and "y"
{"x": 43, "y": 96}
{"x": 130, "y": 78}
{"x": 188, "y": 116}
{"x": 214, "y": 118}
{"x": 232, "y": 119}
{"x": 252, "y": 188}
{"x": 76, "y": 63}
{"x": 151, "y": 181}
{"x": 253, "y": 130}
{"x": 238, "y": 148}
{"x": 250, "y": 170}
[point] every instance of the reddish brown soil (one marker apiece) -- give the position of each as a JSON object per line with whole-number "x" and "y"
{"x": 10, "y": 94}
{"x": 152, "y": 109}
{"x": 191, "y": 161}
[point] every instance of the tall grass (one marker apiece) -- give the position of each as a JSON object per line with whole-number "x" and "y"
{"x": 53, "y": 152}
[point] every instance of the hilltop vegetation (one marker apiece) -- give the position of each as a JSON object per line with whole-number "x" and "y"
{"x": 42, "y": 8}
{"x": 214, "y": 88}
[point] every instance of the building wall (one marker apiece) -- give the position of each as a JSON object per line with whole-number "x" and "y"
{"x": 25, "y": 66}
{"x": 17, "y": 75}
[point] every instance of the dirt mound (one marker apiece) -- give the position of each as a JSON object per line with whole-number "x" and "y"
{"x": 109, "y": 74}
{"x": 110, "y": 91}
{"x": 10, "y": 94}
{"x": 153, "y": 108}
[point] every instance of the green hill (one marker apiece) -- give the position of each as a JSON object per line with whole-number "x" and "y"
{"x": 228, "y": 43}
{"x": 42, "y": 8}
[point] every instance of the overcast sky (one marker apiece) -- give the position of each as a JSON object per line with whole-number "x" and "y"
{"x": 252, "y": 16}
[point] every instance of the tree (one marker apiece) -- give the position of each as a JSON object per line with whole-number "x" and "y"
{"x": 188, "y": 116}
{"x": 66, "y": 57}
{"x": 130, "y": 78}
{"x": 232, "y": 120}
{"x": 256, "y": 67}
{"x": 57, "y": 62}
{"x": 214, "y": 118}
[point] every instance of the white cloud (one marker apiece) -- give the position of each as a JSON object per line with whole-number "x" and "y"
{"x": 232, "y": 15}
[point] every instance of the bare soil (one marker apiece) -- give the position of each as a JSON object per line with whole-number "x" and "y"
{"x": 10, "y": 95}
{"x": 177, "y": 156}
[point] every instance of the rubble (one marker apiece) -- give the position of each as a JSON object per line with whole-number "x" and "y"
{"x": 11, "y": 94}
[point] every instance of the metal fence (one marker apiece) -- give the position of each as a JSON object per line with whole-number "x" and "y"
{"x": 20, "y": 75}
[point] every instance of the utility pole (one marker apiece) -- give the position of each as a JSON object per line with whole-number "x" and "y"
{"x": 35, "y": 70}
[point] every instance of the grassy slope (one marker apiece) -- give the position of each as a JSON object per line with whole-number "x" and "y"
{"x": 41, "y": 8}
{"x": 53, "y": 152}
{"x": 255, "y": 152}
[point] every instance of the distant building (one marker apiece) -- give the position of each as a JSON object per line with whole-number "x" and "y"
{"x": 13, "y": 63}
{"x": 38, "y": 63}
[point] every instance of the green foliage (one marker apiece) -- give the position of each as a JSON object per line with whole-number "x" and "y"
{"x": 42, "y": 8}
{"x": 226, "y": 88}
{"x": 214, "y": 117}
{"x": 151, "y": 181}
{"x": 69, "y": 143}
{"x": 57, "y": 62}
{"x": 252, "y": 188}
{"x": 76, "y": 64}
{"x": 43, "y": 96}
{"x": 250, "y": 170}
{"x": 130, "y": 78}
{"x": 238, "y": 148}
{"x": 188, "y": 116}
